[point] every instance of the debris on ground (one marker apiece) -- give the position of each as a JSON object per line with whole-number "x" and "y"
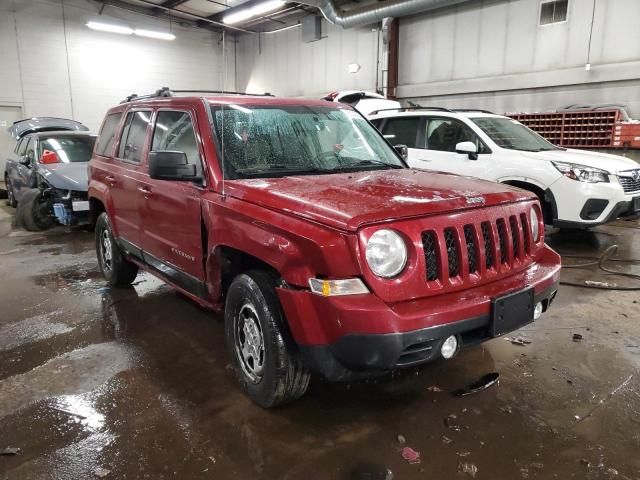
{"x": 452, "y": 422}
{"x": 434, "y": 388}
{"x": 10, "y": 451}
{"x": 612, "y": 471}
{"x": 520, "y": 341}
{"x": 577, "y": 337}
{"x": 370, "y": 471}
{"x": 101, "y": 472}
{"x": 466, "y": 453}
{"x": 507, "y": 409}
{"x": 213, "y": 459}
{"x": 468, "y": 468}
{"x": 485, "y": 382}
{"x": 402, "y": 441}
{"x": 446, "y": 440}
{"x": 536, "y": 466}
{"x": 411, "y": 456}
{"x": 585, "y": 462}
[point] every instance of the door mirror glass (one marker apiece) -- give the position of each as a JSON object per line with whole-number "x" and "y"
{"x": 402, "y": 150}
{"x": 172, "y": 165}
{"x": 26, "y": 159}
{"x": 467, "y": 148}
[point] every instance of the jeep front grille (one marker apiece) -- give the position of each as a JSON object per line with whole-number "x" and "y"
{"x": 630, "y": 184}
{"x": 477, "y": 249}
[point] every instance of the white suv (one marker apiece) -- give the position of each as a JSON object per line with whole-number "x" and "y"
{"x": 576, "y": 188}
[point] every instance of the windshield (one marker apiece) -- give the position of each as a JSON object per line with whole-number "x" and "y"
{"x": 69, "y": 149}
{"x": 511, "y": 134}
{"x": 267, "y": 141}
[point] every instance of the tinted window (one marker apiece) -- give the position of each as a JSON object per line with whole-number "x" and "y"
{"x": 107, "y": 134}
{"x": 22, "y": 146}
{"x": 69, "y": 149}
{"x": 511, "y": 134}
{"x": 443, "y": 134}
{"x": 134, "y": 135}
{"x": 402, "y": 131}
{"x": 174, "y": 131}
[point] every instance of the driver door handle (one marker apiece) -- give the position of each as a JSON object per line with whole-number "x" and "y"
{"x": 146, "y": 191}
{"x": 111, "y": 180}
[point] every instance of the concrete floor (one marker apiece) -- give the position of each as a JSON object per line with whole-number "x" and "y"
{"x": 136, "y": 384}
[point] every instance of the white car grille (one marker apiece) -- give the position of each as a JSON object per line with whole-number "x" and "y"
{"x": 630, "y": 180}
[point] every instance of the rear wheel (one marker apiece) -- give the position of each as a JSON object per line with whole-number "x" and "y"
{"x": 34, "y": 211}
{"x": 116, "y": 269}
{"x": 268, "y": 370}
{"x": 11, "y": 199}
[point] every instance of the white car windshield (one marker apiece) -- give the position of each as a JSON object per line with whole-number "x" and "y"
{"x": 277, "y": 141}
{"x": 512, "y": 135}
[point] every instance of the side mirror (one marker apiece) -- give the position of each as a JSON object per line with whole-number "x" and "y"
{"x": 170, "y": 165}
{"x": 402, "y": 150}
{"x": 26, "y": 159}
{"x": 467, "y": 148}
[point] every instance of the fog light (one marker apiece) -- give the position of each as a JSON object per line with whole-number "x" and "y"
{"x": 449, "y": 347}
{"x": 537, "y": 312}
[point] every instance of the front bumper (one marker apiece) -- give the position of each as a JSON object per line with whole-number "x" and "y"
{"x": 358, "y": 336}
{"x": 579, "y": 204}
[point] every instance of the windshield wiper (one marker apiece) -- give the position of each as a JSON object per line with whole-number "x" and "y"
{"x": 367, "y": 163}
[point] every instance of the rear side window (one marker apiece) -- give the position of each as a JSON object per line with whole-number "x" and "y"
{"x": 402, "y": 131}
{"x": 134, "y": 135}
{"x": 104, "y": 146}
{"x": 174, "y": 131}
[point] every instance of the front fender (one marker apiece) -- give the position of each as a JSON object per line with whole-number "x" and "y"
{"x": 100, "y": 192}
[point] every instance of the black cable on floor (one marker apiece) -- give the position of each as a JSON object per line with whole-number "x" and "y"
{"x": 607, "y": 256}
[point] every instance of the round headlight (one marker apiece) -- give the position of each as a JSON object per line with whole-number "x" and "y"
{"x": 535, "y": 225}
{"x": 386, "y": 253}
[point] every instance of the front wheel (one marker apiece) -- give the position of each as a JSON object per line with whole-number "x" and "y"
{"x": 269, "y": 372}
{"x": 35, "y": 211}
{"x": 116, "y": 269}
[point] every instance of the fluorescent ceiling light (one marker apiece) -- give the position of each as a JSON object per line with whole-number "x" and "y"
{"x": 254, "y": 11}
{"x": 107, "y": 27}
{"x": 152, "y": 34}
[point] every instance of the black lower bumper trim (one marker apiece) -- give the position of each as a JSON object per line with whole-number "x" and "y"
{"x": 620, "y": 210}
{"x": 365, "y": 355}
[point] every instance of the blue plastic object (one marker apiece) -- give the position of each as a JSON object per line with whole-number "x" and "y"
{"x": 62, "y": 213}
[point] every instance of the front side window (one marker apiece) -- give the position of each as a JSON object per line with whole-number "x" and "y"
{"x": 22, "y": 146}
{"x": 134, "y": 135}
{"x": 512, "y": 135}
{"x": 402, "y": 131}
{"x": 68, "y": 149}
{"x": 174, "y": 131}
{"x": 443, "y": 134}
{"x": 104, "y": 146}
{"x": 276, "y": 141}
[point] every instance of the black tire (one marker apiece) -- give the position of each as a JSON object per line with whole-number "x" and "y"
{"x": 11, "y": 199}
{"x": 116, "y": 269}
{"x": 252, "y": 303}
{"x": 35, "y": 211}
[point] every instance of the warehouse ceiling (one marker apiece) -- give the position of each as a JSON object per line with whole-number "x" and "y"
{"x": 209, "y": 13}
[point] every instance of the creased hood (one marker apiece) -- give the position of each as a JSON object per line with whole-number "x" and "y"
{"x": 349, "y": 200}
{"x": 611, "y": 163}
{"x": 66, "y": 176}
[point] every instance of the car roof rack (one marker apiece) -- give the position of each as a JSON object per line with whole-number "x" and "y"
{"x": 410, "y": 109}
{"x": 472, "y": 110}
{"x": 165, "y": 92}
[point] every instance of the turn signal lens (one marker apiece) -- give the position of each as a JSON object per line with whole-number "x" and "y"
{"x": 334, "y": 288}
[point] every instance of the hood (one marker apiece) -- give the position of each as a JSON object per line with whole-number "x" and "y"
{"x": 44, "y": 124}
{"x": 350, "y": 200}
{"x": 611, "y": 163}
{"x": 66, "y": 176}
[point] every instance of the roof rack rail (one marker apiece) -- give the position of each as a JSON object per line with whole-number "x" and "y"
{"x": 409, "y": 109}
{"x": 472, "y": 110}
{"x": 168, "y": 92}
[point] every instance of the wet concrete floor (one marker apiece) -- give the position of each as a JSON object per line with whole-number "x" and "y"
{"x": 104, "y": 383}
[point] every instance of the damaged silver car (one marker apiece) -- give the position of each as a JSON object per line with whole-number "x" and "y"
{"x": 46, "y": 174}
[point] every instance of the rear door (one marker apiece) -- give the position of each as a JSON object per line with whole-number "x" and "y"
{"x": 8, "y": 115}
{"x": 407, "y": 131}
{"x": 126, "y": 174}
{"x": 13, "y": 164}
{"x": 171, "y": 210}
{"x": 23, "y": 177}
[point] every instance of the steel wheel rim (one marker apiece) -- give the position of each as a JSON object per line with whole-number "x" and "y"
{"x": 106, "y": 250}
{"x": 249, "y": 342}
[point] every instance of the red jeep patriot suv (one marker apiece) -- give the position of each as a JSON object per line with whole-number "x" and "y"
{"x": 325, "y": 251}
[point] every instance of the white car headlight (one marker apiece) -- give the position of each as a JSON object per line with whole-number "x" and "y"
{"x": 535, "y": 225}
{"x": 582, "y": 173}
{"x": 386, "y": 253}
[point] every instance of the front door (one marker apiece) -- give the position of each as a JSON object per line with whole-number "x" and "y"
{"x": 171, "y": 210}
{"x": 442, "y": 134}
{"x": 8, "y": 115}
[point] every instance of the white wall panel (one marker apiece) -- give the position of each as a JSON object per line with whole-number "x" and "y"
{"x": 69, "y": 70}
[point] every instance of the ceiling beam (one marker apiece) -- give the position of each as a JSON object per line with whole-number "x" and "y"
{"x": 167, "y": 4}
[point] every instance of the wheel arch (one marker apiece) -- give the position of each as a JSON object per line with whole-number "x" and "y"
{"x": 545, "y": 195}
